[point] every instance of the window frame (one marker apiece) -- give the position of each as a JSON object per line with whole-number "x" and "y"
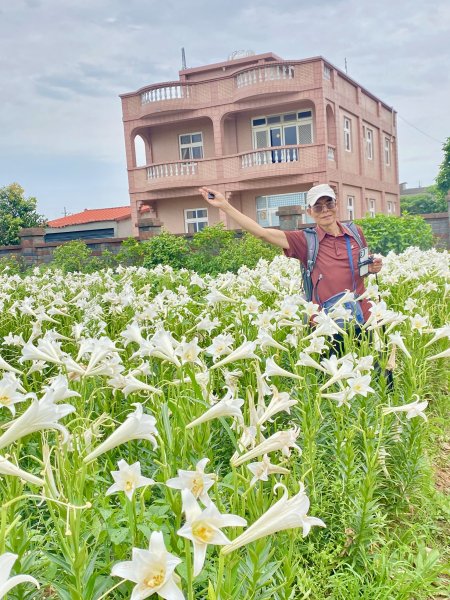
{"x": 195, "y": 220}
{"x": 372, "y": 204}
{"x": 266, "y": 126}
{"x": 387, "y": 151}
{"x": 348, "y": 146}
{"x": 191, "y": 145}
{"x": 369, "y": 143}
{"x": 350, "y": 207}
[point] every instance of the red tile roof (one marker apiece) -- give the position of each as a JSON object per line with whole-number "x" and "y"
{"x": 116, "y": 213}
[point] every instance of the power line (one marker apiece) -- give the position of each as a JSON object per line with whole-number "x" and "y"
{"x": 420, "y": 131}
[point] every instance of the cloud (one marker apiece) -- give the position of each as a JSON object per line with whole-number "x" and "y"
{"x": 66, "y": 62}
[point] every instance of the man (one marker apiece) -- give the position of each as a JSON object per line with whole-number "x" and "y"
{"x": 332, "y": 273}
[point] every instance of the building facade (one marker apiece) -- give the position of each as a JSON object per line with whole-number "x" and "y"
{"x": 261, "y": 130}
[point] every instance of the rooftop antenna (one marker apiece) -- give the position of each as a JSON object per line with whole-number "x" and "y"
{"x": 345, "y": 63}
{"x": 183, "y": 59}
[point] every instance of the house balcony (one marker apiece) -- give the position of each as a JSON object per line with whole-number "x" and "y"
{"x": 246, "y": 166}
{"x": 269, "y": 80}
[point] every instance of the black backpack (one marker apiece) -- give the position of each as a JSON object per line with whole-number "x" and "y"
{"x": 312, "y": 252}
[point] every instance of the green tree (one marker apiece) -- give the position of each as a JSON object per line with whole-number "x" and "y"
{"x": 429, "y": 202}
{"x": 385, "y": 233}
{"x": 16, "y": 212}
{"x": 443, "y": 177}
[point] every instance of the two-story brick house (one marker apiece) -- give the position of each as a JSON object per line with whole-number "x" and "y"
{"x": 263, "y": 130}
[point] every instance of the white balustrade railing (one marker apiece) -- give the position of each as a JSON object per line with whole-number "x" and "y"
{"x": 331, "y": 155}
{"x": 171, "y": 92}
{"x": 172, "y": 170}
{"x": 268, "y": 157}
{"x": 262, "y": 74}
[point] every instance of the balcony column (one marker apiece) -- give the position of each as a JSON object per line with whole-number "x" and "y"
{"x": 218, "y": 130}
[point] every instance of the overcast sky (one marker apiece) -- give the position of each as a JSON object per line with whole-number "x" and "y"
{"x": 63, "y": 64}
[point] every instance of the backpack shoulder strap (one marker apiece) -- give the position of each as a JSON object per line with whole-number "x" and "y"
{"x": 353, "y": 228}
{"x": 312, "y": 245}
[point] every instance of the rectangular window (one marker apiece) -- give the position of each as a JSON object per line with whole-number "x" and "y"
{"x": 369, "y": 143}
{"x": 290, "y": 129}
{"x": 387, "y": 151}
{"x": 347, "y": 134}
{"x": 350, "y": 207}
{"x": 372, "y": 210}
{"x": 191, "y": 146}
{"x": 267, "y": 207}
{"x": 389, "y": 208}
{"x": 195, "y": 219}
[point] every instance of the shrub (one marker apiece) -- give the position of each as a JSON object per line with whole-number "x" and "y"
{"x": 247, "y": 251}
{"x": 131, "y": 253}
{"x": 385, "y": 233}
{"x": 167, "y": 249}
{"x": 72, "y": 256}
{"x": 208, "y": 247}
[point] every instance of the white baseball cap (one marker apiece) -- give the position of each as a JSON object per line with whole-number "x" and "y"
{"x": 319, "y": 191}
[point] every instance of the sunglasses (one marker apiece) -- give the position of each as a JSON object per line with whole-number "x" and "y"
{"x": 318, "y": 208}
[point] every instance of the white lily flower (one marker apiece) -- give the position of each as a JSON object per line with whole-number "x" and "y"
{"x": 207, "y": 324}
{"x": 413, "y": 409}
{"x": 396, "y": 339}
{"x": 41, "y": 414}
{"x": 306, "y": 360}
{"x": 342, "y": 397}
{"x": 280, "y": 440}
{"x": 151, "y": 570}
{"x": 339, "y": 368}
{"x": 221, "y": 344}
{"x": 262, "y": 470}
{"x": 130, "y": 384}
{"x": 203, "y": 527}
{"x": 48, "y": 351}
{"x": 227, "y": 407}
{"x": 325, "y": 326}
{"x": 359, "y": 385}
{"x": 7, "y": 583}
{"x": 419, "y": 322}
{"x": 137, "y": 426}
{"x": 286, "y": 513}
{"x": 58, "y": 390}
{"x": 189, "y": 351}
{"x": 245, "y": 351}
{"x": 273, "y": 370}
{"x": 132, "y": 333}
{"x": 10, "y": 394}
{"x": 439, "y": 333}
{"x": 9, "y": 468}
{"x": 128, "y": 479}
{"x": 163, "y": 346}
{"x": 215, "y": 297}
{"x": 265, "y": 340}
{"x": 4, "y": 366}
{"x": 197, "y": 482}
{"x": 317, "y": 345}
{"x": 280, "y": 401}
{"x": 444, "y": 354}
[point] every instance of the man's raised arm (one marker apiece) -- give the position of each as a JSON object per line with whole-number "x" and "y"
{"x": 271, "y": 236}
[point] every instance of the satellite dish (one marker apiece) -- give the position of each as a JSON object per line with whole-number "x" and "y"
{"x": 241, "y": 54}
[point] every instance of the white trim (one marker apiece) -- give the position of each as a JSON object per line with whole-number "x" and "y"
{"x": 297, "y": 122}
{"x": 372, "y": 206}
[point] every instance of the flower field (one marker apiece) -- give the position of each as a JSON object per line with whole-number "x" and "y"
{"x": 169, "y": 435}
